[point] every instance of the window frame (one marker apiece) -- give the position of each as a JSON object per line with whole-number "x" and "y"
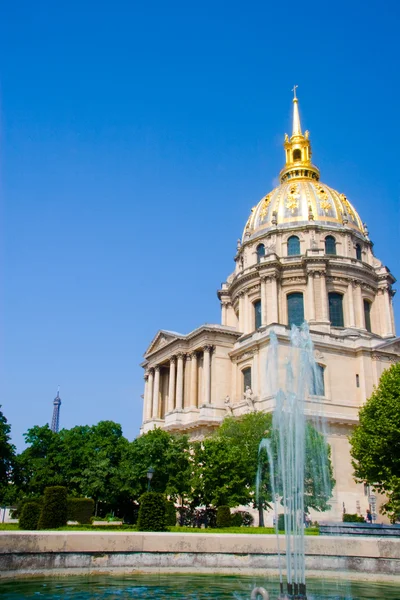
{"x": 246, "y": 376}
{"x": 293, "y": 237}
{"x": 321, "y": 369}
{"x": 257, "y": 314}
{"x": 328, "y": 239}
{"x": 331, "y": 296}
{"x": 367, "y": 315}
{"x": 259, "y": 254}
{"x": 289, "y": 296}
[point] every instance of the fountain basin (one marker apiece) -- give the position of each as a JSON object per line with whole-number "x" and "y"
{"x": 39, "y": 552}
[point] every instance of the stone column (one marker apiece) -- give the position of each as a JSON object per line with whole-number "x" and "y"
{"x": 311, "y": 297}
{"x": 255, "y": 383}
{"x": 149, "y": 400}
{"x": 324, "y": 298}
{"x": 179, "y": 383}
{"x": 193, "y": 381}
{"x": 223, "y": 313}
{"x": 156, "y": 392}
{"x": 241, "y": 313}
{"x": 388, "y": 312}
{"x": 350, "y": 302}
{"x": 207, "y": 374}
{"x": 274, "y": 299}
{"x": 171, "y": 385}
{"x": 145, "y": 396}
{"x": 263, "y": 301}
{"x": 247, "y": 314}
{"x": 359, "y": 307}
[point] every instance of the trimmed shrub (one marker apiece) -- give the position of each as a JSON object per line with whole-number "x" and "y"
{"x": 54, "y": 508}
{"x": 80, "y": 509}
{"x": 223, "y": 516}
{"x": 152, "y": 512}
{"x": 348, "y": 518}
{"x": 281, "y": 522}
{"x": 170, "y": 513}
{"x": 241, "y": 518}
{"x": 29, "y": 515}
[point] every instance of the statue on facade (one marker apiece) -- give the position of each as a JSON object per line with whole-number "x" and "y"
{"x": 228, "y": 406}
{"x": 249, "y": 397}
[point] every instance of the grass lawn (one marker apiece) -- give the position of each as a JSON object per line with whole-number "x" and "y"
{"x": 127, "y": 528}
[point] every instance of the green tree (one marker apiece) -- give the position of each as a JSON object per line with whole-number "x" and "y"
{"x": 375, "y": 443}
{"x": 7, "y": 457}
{"x": 168, "y": 454}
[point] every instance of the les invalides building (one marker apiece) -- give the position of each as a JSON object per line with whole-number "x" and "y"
{"x": 305, "y": 254}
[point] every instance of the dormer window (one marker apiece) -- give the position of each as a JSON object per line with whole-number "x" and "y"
{"x": 260, "y": 252}
{"x": 297, "y": 154}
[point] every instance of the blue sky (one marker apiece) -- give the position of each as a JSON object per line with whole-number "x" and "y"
{"x": 135, "y": 138}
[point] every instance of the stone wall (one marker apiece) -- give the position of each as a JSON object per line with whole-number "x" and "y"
{"x": 23, "y": 553}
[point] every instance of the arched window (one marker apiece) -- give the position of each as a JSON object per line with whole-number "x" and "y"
{"x": 336, "y": 309}
{"x": 260, "y": 252}
{"x": 246, "y": 378}
{"x": 295, "y": 307}
{"x": 330, "y": 245}
{"x": 297, "y": 154}
{"x": 367, "y": 315}
{"x": 257, "y": 314}
{"x": 318, "y": 382}
{"x": 293, "y": 245}
{"x": 358, "y": 252}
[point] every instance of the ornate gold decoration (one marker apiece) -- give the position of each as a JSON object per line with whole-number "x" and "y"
{"x": 349, "y": 210}
{"x": 293, "y": 195}
{"x": 264, "y": 206}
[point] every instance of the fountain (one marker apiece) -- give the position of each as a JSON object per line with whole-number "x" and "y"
{"x": 292, "y": 375}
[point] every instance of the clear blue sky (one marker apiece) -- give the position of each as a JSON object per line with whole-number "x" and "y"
{"x": 135, "y": 137}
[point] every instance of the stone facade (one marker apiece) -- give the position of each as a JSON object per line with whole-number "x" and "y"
{"x": 304, "y": 241}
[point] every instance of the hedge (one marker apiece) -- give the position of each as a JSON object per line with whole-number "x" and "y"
{"x": 152, "y": 512}
{"x": 80, "y": 509}
{"x": 242, "y": 518}
{"x": 30, "y": 514}
{"x": 170, "y": 513}
{"x": 223, "y": 516}
{"x": 350, "y": 518}
{"x": 54, "y": 508}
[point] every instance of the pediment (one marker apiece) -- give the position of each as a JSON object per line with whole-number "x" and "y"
{"x": 161, "y": 339}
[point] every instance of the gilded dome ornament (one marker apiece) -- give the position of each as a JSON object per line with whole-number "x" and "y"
{"x": 264, "y": 206}
{"x": 293, "y": 195}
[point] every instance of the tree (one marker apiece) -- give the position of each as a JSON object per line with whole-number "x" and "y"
{"x": 225, "y": 465}
{"x": 7, "y": 457}
{"x": 375, "y": 443}
{"x": 168, "y": 454}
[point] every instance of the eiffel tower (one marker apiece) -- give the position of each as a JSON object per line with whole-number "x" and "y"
{"x": 55, "y": 421}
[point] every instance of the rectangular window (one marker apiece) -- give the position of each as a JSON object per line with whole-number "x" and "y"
{"x": 295, "y": 307}
{"x": 246, "y": 378}
{"x": 257, "y": 314}
{"x": 367, "y": 315}
{"x": 336, "y": 309}
{"x": 318, "y": 383}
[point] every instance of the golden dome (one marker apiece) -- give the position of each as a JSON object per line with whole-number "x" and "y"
{"x": 301, "y": 199}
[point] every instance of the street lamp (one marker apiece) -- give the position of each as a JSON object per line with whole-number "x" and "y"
{"x": 150, "y": 473}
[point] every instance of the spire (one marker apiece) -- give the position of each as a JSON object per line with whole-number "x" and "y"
{"x": 298, "y": 150}
{"x": 296, "y": 116}
{"x": 55, "y": 421}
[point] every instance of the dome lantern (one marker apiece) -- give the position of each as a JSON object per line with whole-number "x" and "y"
{"x": 298, "y": 150}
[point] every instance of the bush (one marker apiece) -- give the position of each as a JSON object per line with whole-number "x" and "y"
{"x": 170, "y": 513}
{"x": 348, "y": 518}
{"x": 54, "y": 508}
{"x": 281, "y": 522}
{"x": 152, "y": 512}
{"x": 241, "y": 518}
{"x": 223, "y": 516}
{"x": 80, "y": 509}
{"x": 30, "y": 514}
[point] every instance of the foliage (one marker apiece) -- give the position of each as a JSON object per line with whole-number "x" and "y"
{"x": 375, "y": 443}
{"x": 170, "y": 513}
{"x": 54, "y": 508}
{"x": 350, "y": 518}
{"x": 281, "y": 522}
{"x": 30, "y": 514}
{"x": 80, "y": 509}
{"x": 152, "y": 512}
{"x": 223, "y": 516}
{"x": 242, "y": 518}
{"x": 7, "y": 457}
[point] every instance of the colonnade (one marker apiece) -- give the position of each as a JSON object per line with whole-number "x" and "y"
{"x": 316, "y": 304}
{"x": 181, "y": 367}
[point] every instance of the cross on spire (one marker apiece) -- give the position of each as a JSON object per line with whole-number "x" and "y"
{"x": 294, "y": 92}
